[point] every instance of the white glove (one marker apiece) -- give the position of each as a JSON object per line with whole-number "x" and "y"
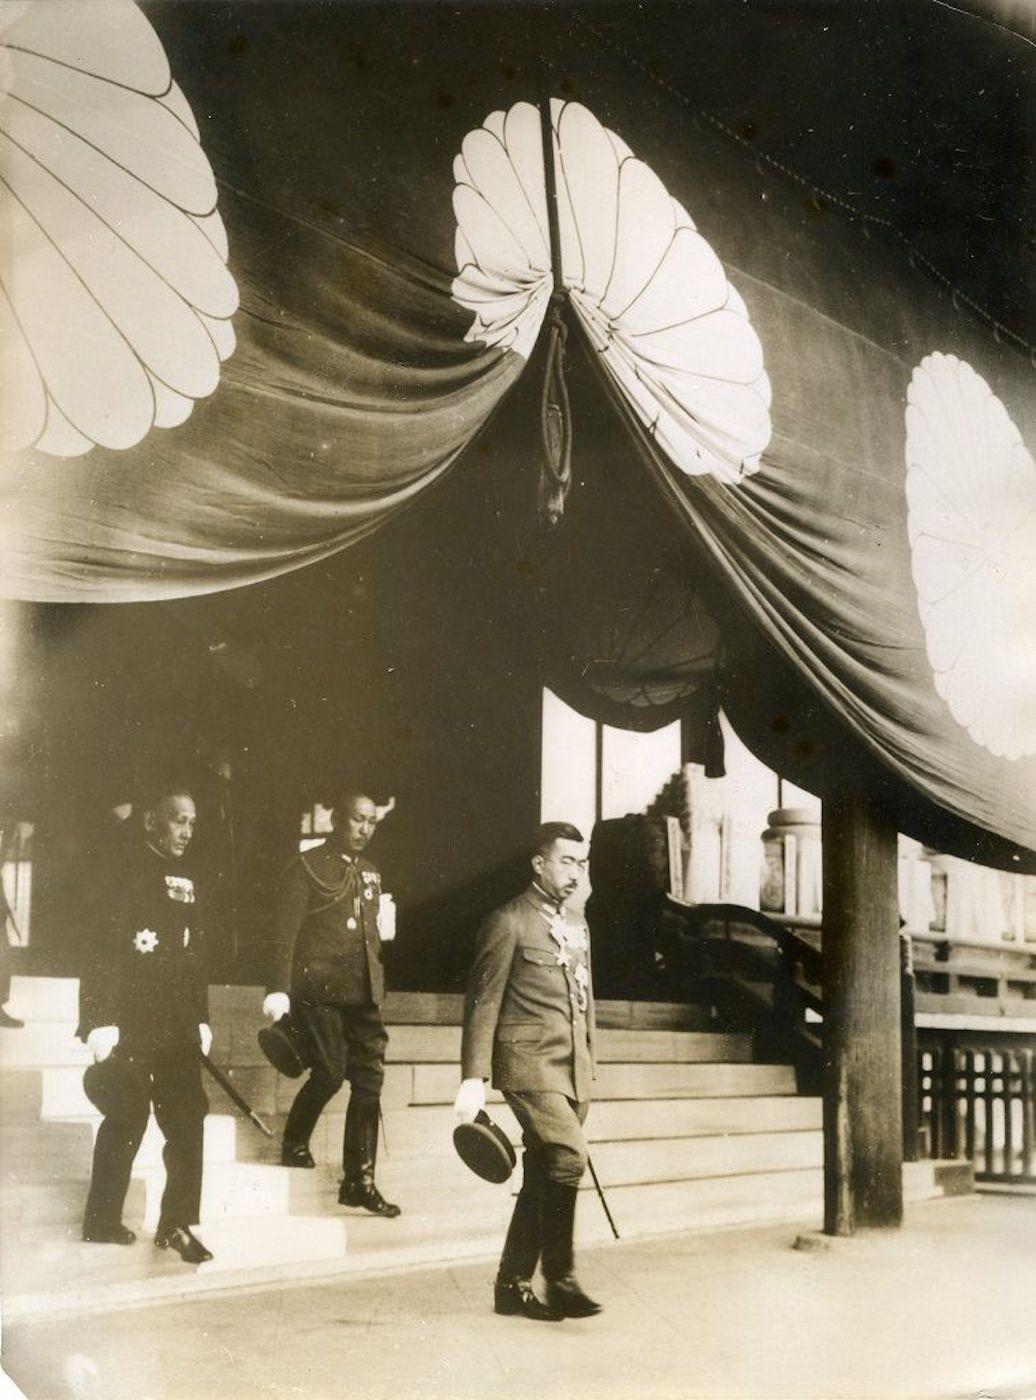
{"x": 102, "y": 1040}
{"x": 205, "y": 1036}
{"x": 470, "y": 1100}
{"x": 276, "y": 1005}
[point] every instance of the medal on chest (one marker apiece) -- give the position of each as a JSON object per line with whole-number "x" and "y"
{"x": 180, "y": 888}
{"x": 572, "y": 940}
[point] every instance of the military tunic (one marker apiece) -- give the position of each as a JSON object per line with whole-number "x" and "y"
{"x": 529, "y": 1013}
{"x": 327, "y": 956}
{"x": 327, "y": 947}
{"x": 529, "y": 1024}
{"x": 147, "y": 977}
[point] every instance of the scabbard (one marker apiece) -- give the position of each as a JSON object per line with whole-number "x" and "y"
{"x": 232, "y": 1094}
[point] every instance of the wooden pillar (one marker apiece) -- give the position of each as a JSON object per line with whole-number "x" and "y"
{"x": 863, "y": 1126}
{"x": 909, "y": 1070}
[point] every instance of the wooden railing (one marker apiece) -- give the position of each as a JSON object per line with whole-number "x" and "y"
{"x": 980, "y": 1103}
{"x": 961, "y": 1000}
{"x": 763, "y": 974}
{"x": 965, "y": 976}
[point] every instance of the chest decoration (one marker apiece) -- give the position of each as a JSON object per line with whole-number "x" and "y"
{"x": 180, "y": 888}
{"x": 371, "y": 880}
{"x": 572, "y": 939}
{"x": 146, "y": 940}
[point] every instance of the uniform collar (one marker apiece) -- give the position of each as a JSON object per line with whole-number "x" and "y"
{"x": 543, "y": 901}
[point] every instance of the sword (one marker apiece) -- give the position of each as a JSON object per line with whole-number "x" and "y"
{"x": 233, "y": 1095}
{"x": 600, "y": 1193}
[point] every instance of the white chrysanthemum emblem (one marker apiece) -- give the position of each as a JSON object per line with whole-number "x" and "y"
{"x": 971, "y": 515}
{"x": 146, "y": 941}
{"x": 649, "y": 291}
{"x": 116, "y": 300}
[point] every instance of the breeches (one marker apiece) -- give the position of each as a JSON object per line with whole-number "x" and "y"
{"x": 552, "y": 1132}
{"x": 171, "y": 1080}
{"x": 348, "y": 1043}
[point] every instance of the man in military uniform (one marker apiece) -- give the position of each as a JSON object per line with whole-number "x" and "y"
{"x": 327, "y": 972}
{"x": 529, "y": 1022}
{"x": 143, "y": 1005}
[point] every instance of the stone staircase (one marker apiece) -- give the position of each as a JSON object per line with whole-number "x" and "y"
{"x": 686, "y": 1132}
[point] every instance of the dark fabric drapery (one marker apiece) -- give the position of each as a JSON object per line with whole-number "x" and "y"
{"x": 332, "y": 136}
{"x": 351, "y": 390}
{"x": 831, "y": 680}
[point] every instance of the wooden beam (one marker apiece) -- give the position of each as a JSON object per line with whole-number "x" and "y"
{"x": 863, "y": 1127}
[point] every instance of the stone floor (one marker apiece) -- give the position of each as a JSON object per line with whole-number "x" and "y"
{"x": 945, "y": 1308}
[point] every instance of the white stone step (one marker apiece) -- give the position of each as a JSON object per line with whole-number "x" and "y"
{"x": 21, "y": 1096}
{"x": 241, "y": 1004}
{"x": 56, "y": 1092}
{"x": 57, "y": 999}
{"x": 616, "y": 1119}
{"x": 59, "y": 1093}
{"x": 64, "y": 1146}
{"x": 41, "y": 1043}
{"x": 33, "y": 1151}
{"x": 432, "y": 1185}
{"x": 664, "y": 1207}
{"x": 682, "y": 1159}
{"x": 661, "y": 1046}
{"x": 438, "y": 1083}
{"x": 44, "y": 998}
{"x": 66, "y": 1276}
{"x": 238, "y": 1045}
{"x": 59, "y": 1274}
{"x": 34, "y": 1213}
{"x": 426, "y": 1127}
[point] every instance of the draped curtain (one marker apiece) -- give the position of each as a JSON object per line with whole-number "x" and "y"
{"x": 353, "y": 388}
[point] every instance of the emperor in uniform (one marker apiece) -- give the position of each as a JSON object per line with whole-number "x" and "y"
{"x": 529, "y": 1025}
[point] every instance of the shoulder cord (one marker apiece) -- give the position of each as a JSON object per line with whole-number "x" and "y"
{"x": 337, "y": 893}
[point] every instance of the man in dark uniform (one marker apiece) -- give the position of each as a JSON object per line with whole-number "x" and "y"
{"x": 529, "y": 1022}
{"x": 143, "y": 1001}
{"x": 327, "y": 971}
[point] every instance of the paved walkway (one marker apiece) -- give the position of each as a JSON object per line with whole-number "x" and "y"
{"x": 946, "y": 1308}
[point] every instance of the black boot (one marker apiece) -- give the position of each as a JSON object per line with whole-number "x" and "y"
{"x": 186, "y": 1244}
{"x": 521, "y": 1251}
{"x": 516, "y": 1298}
{"x": 559, "y": 1217}
{"x": 296, "y": 1154}
{"x": 107, "y": 1234}
{"x": 359, "y": 1154}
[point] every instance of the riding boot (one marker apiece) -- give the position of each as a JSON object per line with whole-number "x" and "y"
{"x": 521, "y": 1251}
{"x": 564, "y": 1293}
{"x": 359, "y": 1154}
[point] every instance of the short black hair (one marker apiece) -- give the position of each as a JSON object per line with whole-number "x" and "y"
{"x": 348, "y": 795}
{"x": 549, "y": 832}
{"x": 153, "y": 794}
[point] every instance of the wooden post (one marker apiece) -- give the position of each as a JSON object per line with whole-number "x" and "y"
{"x": 863, "y": 1125}
{"x": 908, "y": 1036}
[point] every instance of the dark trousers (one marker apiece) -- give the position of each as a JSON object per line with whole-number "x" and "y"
{"x": 171, "y": 1080}
{"x": 348, "y": 1042}
{"x": 555, "y": 1155}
